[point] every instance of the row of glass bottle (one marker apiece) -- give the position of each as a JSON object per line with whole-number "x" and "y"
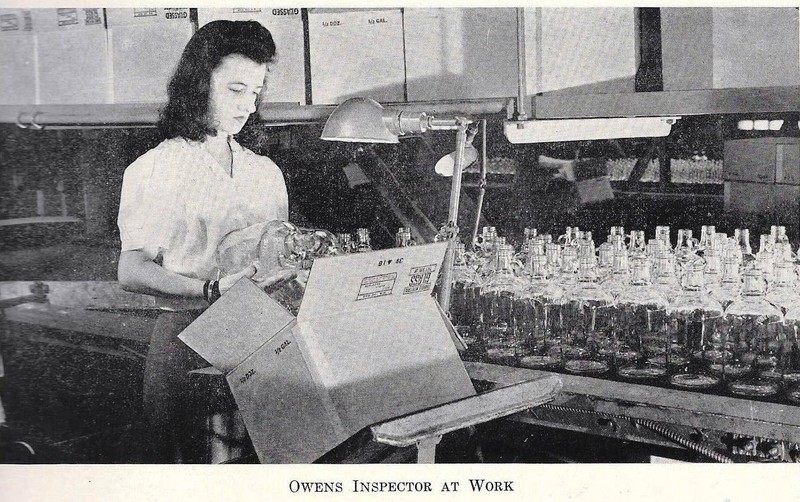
{"x": 359, "y": 241}
{"x": 705, "y": 321}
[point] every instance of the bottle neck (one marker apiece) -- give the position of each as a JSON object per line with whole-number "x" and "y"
{"x": 640, "y": 271}
{"x": 695, "y": 277}
{"x": 753, "y": 283}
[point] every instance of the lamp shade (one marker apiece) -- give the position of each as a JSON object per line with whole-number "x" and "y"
{"x": 358, "y": 120}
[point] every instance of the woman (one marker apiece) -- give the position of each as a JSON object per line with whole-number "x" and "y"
{"x": 182, "y": 197}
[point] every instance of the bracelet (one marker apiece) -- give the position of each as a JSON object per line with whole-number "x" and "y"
{"x": 205, "y": 291}
{"x": 214, "y": 294}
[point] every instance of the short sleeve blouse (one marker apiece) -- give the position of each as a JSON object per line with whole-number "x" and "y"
{"x": 178, "y": 202}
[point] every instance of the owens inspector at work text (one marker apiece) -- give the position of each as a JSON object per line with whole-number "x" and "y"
{"x": 475, "y": 485}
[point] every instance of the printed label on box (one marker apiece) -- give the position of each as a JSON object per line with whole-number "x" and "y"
{"x": 67, "y": 17}
{"x": 179, "y": 13}
{"x": 420, "y": 279}
{"x": 145, "y": 12}
{"x": 376, "y": 285}
{"x": 9, "y": 22}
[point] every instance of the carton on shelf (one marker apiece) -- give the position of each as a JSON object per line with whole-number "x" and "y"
{"x": 581, "y": 50}
{"x": 356, "y": 53}
{"x": 718, "y": 48}
{"x": 286, "y": 81}
{"x": 71, "y": 56}
{"x": 460, "y": 53}
{"x": 145, "y": 46}
{"x": 17, "y": 57}
{"x": 368, "y": 344}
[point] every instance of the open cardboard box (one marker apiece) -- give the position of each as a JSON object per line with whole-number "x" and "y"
{"x": 369, "y": 344}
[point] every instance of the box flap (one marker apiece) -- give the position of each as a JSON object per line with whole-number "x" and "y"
{"x": 237, "y": 324}
{"x": 457, "y": 340}
{"x": 380, "y": 364}
{"x": 371, "y": 281}
{"x": 288, "y": 416}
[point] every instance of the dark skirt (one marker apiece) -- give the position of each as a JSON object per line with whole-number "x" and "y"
{"x": 178, "y": 404}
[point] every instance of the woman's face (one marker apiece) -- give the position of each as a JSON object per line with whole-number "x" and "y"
{"x": 235, "y": 88}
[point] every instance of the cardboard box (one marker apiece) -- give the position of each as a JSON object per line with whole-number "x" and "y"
{"x": 72, "y": 56}
{"x": 368, "y": 344}
{"x": 356, "y": 53}
{"x": 762, "y": 204}
{"x": 717, "y": 48}
{"x": 762, "y": 160}
{"x": 17, "y": 57}
{"x": 286, "y": 82}
{"x": 460, "y": 53}
{"x": 581, "y": 50}
{"x": 145, "y": 46}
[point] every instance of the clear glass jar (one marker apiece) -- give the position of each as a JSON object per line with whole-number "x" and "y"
{"x": 501, "y": 336}
{"x": 588, "y": 317}
{"x": 403, "y": 238}
{"x": 789, "y": 364}
{"x": 363, "y": 244}
{"x": 697, "y": 333}
{"x": 640, "y": 327}
{"x": 755, "y": 331}
{"x": 537, "y": 310}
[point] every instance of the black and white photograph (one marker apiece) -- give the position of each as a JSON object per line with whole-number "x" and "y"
{"x": 500, "y": 245}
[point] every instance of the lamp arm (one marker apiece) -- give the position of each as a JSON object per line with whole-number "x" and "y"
{"x": 452, "y": 214}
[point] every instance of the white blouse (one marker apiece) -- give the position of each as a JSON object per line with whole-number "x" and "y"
{"x": 178, "y": 202}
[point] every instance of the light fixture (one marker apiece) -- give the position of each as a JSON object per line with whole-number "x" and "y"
{"x": 555, "y": 130}
{"x": 365, "y": 120}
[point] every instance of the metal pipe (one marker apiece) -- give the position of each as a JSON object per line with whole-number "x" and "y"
{"x": 482, "y": 185}
{"x": 452, "y": 214}
{"x": 654, "y": 426}
{"x": 522, "y": 83}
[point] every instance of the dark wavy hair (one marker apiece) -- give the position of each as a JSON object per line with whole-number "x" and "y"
{"x": 186, "y": 112}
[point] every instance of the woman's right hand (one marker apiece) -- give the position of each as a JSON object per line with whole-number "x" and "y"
{"x": 270, "y": 282}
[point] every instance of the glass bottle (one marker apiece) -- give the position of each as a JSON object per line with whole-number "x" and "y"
{"x": 729, "y": 288}
{"x": 685, "y": 252}
{"x": 708, "y": 233}
{"x": 789, "y": 364}
{"x": 587, "y": 343}
{"x": 362, "y": 244}
{"x": 538, "y": 310}
{"x": 665, "y": 278}
{"x": 484, "y": 243}
{"x": 553, "y": 253}
{"x": 403, "y": 238}
{"x": 620, "y": 274}
{"x": 640, "y": 327}
{"x": 742, "y": 236}
{"x": 500, "y": 333}
{"x": 466, "y": 288}
{"x": 662, "y": 234}
{"x": 783, "y": 290}
{"x": 637, "y": 243}
{"x": 263, "y": 244}
{"x": 696, "y": 333}
{"x": 782, "y": 248}
{"x": 465, "y": 302}
{"x": 713, "y": 271}
{"x": 765, "y": 258}
{"x": 345, "y": 242}
{"x": 755, "y": 330}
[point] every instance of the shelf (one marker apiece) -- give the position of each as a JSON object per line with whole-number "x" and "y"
{"x": 272, "y": 114}
{"x": 547, "y": 106}
{"x": 667, "y": 103}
